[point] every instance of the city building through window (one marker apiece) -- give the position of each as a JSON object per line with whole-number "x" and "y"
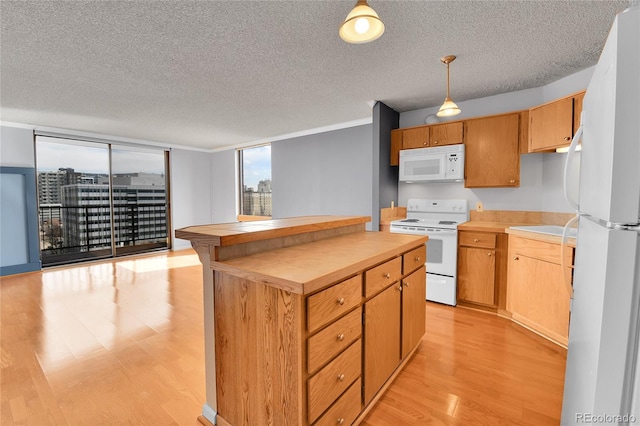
{"x": 99, "y": 200}
{"x": 255, "y": 181}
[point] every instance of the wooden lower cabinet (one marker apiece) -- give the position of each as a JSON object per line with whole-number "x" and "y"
{"x": 414, "y": 295}
{"x": 317, "y": 359}
{"x": 476, "y": 275}
{"x": 539, "y": 287}
{"x": 481, "y": 269}
{"x": 381, "y": 339}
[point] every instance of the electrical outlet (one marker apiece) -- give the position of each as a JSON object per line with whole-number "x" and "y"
{"x": 479, "y": 206}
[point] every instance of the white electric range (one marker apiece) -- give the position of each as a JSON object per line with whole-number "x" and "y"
{"x": 439, "y": 220}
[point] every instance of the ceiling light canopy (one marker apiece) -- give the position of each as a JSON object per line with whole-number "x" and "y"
{"x": 448, "y": 108}
{"x": 361, "y": 25}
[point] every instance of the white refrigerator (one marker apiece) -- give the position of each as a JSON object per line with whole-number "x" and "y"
{"x": 601, "y": 382}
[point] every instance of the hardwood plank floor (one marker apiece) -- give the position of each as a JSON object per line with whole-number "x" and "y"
{"x": 121, "y": 342}
{"x": 474, "y": 368}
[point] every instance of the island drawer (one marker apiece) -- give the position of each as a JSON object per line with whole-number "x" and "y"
{"x": 414, "y": 259}
{"x": 329, "y": 383}
{"x": 334, "y": 339}
{"x": 329, "y": 304}
{"x": 346, "y": 408}
{"x": 477, "y": 239}
{"x": 382, "y": 276}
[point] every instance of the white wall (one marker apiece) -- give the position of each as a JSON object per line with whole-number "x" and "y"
{"x": 224, "y": 182}
{"x": 16, "y": 147}
{"x": 541, "y": 175}
{"x": 190, "y": 191}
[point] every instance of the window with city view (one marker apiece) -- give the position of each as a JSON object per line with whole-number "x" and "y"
{"x": 99, "y": 200}
{"x": 255, "y": 181}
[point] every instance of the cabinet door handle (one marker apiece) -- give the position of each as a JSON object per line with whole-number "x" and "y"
{"x": 399, "y": 288}
{"x": 490, "y": 254}
{"x": 341, "y": 377}
{"x": 387, "y": 275}
{"x": 512, "y": 181}
{"x": 417, "y": 259}
{"x": 516, "y": 258}
{"x": 340, "y": 421}
{"x": 340, "y": 301}
{"x": 406, "y": 284}
{"x": 475, "y": 240}
{"x": 567, "y": 138}
{"x": 436, "y": 142}
{"x": 340, "y": 337}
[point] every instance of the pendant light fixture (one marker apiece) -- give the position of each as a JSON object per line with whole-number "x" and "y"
{"x": 448, "y": 108}
{"x": 361, "y": 25}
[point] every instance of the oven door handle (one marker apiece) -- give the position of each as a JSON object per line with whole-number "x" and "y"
{"x": 436, "y": 281}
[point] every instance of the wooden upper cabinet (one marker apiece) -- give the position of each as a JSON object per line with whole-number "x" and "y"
{"x": 445, "y": 134}
{"x": 417, "y": 137}
{"x": 396, "y": 146}
{"x": 553, "y": 124}
{"x": 492, "y": 155}
{"x": 424, "y": 137}
{"x": 577, "y": 110}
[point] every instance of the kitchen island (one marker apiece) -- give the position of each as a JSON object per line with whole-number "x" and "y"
{"x": 308, "y": 319}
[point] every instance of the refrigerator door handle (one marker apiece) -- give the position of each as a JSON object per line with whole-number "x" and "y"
{"x": 565, "y": 238}
{"x": 567, "y": 167}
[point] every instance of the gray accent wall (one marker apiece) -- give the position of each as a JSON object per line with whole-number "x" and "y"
{"x": 385, "y": 176}
{"x": 324, "y": 173}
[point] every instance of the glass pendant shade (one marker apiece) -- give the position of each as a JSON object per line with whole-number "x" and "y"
{"x": 448, "y": 108}
{"x": 361, "y": 25}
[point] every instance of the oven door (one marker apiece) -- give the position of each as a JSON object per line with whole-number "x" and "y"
{"x": 442, "y": 252}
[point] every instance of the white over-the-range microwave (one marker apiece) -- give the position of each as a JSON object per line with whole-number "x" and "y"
{"x": 437, "y": 164}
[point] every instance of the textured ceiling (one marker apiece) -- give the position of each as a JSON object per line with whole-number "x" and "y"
{"x": 211, "y": 74}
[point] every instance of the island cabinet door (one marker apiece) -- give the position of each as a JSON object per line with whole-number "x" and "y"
{"x": 382, "y": 339}
{"x": 414, "y": 292}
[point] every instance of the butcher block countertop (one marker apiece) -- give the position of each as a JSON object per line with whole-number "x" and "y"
{"x": 309, "y": 267}
{"x": 301, "y": 254}
{"x": 488, "y": 226}
{"x": 227, "y": 234}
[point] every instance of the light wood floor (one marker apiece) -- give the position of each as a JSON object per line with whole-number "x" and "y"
{"x": 120, "y": 342}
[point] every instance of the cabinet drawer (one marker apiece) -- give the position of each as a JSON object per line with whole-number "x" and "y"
{"x": 333, "y": 379}
{"x": 414, "y": 259}
{"x": 477, "y": 239}
{"x": 345, "y": 410}
{"x": 333, "y": 339}
{"x": 541, "y": 250}
{"x": 329, "y": 304}
{"x": 381, "y": 276}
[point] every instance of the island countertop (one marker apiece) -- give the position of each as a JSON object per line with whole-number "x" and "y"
{"x": 227, "y": 234}
{"x": 309, "y": 267}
